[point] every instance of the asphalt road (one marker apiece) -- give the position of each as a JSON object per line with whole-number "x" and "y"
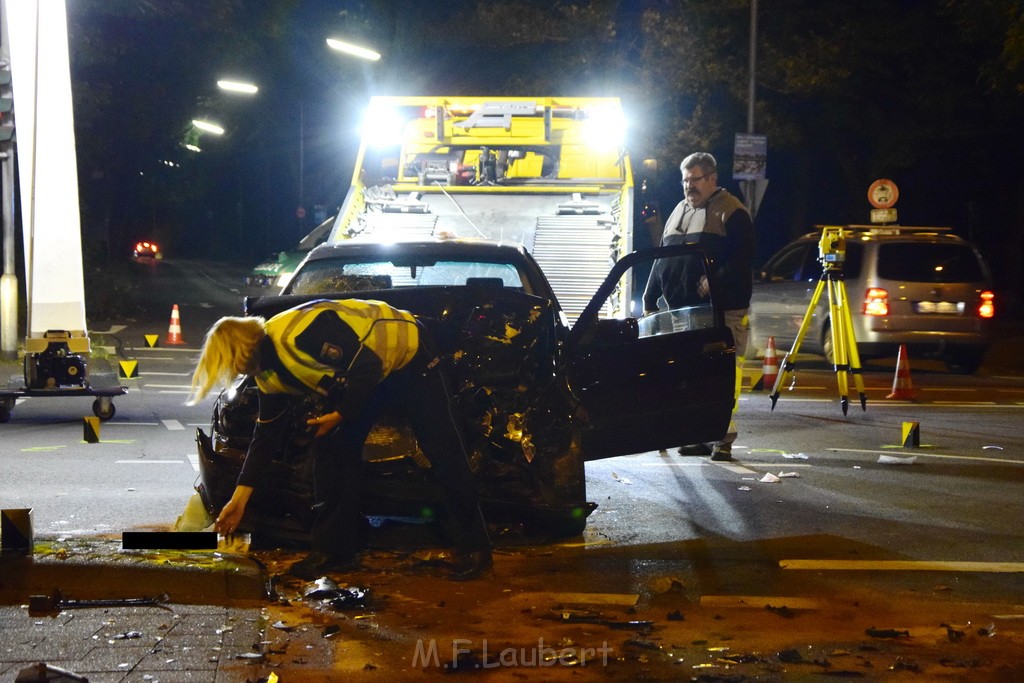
{"x": 850, "y": 518}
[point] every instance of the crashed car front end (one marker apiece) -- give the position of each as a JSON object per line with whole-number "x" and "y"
{"x": 520, "y": 422}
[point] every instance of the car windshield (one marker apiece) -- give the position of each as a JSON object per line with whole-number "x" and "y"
{"x": 331, "y": 275}
{"x": 924, "y": 262}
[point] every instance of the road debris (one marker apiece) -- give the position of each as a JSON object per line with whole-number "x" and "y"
{"x": 894, "y": 460}
{"x": 338, "y": 598}
{"x": 886, "y": 633}
{"x": 769, "y": 478}
{"x": 53, "y": 604}
{"x": 41, "y": 671}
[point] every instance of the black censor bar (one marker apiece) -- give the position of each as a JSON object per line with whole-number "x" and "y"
{"x": 169, "y": 540}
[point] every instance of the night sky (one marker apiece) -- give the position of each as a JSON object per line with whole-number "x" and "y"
{"x": 915, "y": 91}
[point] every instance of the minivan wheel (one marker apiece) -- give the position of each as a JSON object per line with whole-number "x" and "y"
{"x": 827, "y": 345}
{"x": 964, "y": 361}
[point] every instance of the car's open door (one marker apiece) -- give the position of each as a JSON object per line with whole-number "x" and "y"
{"x": 654, "y": 382}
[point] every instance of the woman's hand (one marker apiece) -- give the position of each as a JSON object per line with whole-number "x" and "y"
{"x": 325, "y": 423}
{"x": 231, "y": 516}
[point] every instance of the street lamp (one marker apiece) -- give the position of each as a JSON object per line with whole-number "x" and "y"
{"x": 238, "y": 87}
{"x": 208, "y": 126}
{"x": 354, "y": 50}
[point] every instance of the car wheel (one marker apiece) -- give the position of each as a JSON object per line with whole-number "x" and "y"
{"x": 828, "y": 346}
{"x": 964, "y": 361}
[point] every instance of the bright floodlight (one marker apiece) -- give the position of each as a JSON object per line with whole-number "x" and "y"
{"x": 238, "y": 86}
{"x": 208, "y": 126}
{"x": 192, "y": 148}
{"x": 605, "y": 128}
{"x": 354, "y": 50}
{"x": 382, "y": 127}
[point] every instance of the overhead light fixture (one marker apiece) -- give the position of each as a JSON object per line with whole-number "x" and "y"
{"x": 208, "y": 126}
{"x": 354, "y": 50}
{"x": 193, "y": 148}
{"x": 238, "y": 86}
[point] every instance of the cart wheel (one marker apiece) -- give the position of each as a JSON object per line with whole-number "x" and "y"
{"x": 5, "y": 410}
{"x": 103, "y": 408}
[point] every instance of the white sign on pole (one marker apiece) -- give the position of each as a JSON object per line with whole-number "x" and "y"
{"x": 750, "y": 157}
{"x": 51, "y": 224}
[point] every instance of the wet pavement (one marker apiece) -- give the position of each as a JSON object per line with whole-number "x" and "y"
{"x": 554, "y": 612}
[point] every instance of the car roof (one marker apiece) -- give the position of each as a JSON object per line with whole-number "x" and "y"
{"x": 461, "y": 248}
{"x": 869, "y": 233}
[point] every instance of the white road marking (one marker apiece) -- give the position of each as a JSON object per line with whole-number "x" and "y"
{"x": 131, "y": 424}
{"x": 167, "y": 374}
{"x": 906, "y": 404}
{"x": 927, "y": 455}
{"x": 173, "y": 391}
{"x": 147, "y": 462}
{"x": 193, "y": 458}
{"x": 166, "y": 348}
{"x": 903, "y": 565}
{"x": 166, "y": 386}
{"x": 735, "y": 469}
{"x": 114, "y": 329}
{"x": 173, "y": 425}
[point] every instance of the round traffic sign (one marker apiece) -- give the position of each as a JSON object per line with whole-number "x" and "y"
{"x": 883, "y": 193}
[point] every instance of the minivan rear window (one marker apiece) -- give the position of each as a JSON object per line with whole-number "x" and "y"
{"x": 928, "y": 262}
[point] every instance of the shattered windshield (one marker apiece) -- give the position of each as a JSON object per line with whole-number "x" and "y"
{"x": 321, "y": 277}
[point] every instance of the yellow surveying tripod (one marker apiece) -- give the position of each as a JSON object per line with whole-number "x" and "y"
{"x": 832, "y": 254}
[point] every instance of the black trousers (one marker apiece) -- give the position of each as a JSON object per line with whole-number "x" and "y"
{"x": 420, "y": 391}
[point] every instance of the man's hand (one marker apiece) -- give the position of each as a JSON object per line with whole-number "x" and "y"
{"x": 325, "y": 423}
{"x": 231, "y": 516}
{"x": 702, "y": 287}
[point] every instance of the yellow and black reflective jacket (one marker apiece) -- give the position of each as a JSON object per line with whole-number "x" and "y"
{"x": 319, "y": 344}
{"x": 340, "y": 350}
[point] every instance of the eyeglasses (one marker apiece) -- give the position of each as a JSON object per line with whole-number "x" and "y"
{"x": 693, "y": 179}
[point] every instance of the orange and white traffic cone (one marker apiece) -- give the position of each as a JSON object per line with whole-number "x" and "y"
{"x": 770, "y": 368}
{"x": 902, "y": 387}
{"x": 174, "y": 330}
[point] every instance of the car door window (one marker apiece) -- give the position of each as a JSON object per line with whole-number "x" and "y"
{"x": 635, "y": 375}
{"x": 788, "y": 265}
{"x": 811, "y": 267}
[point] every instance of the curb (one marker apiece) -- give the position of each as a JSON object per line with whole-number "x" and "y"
{"x": 100, "y": 570}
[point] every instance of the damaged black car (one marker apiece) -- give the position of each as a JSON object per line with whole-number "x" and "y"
{"x": 538, "y": 395}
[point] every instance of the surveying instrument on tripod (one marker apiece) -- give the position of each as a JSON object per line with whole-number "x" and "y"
{"x": 832, "y": 255}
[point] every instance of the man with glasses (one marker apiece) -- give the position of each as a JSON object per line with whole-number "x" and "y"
{"x": 712, "y": 218}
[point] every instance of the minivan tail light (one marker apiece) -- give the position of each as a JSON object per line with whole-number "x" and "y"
{"x": 876, "y": 302}
{"x": 987, "y": 307}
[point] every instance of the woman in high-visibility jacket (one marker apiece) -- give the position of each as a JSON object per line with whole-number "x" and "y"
{"x": 358, "y": 356}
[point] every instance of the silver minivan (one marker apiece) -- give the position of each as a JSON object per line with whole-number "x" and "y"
{"x": 919, "y": 286}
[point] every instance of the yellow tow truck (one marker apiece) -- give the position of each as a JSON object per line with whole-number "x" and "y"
{"x": 548, "y": 173}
